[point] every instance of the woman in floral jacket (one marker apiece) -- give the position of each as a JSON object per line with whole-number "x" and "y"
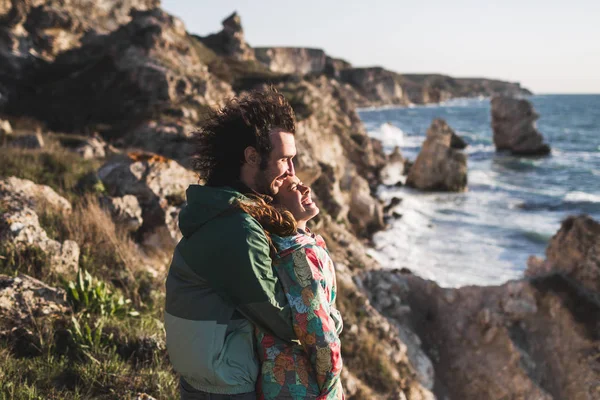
{"x": 311, "y": 367}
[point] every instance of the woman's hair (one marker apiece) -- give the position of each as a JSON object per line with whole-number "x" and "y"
{"x": 227, "y": 132}
{"x": 274, "y": 221}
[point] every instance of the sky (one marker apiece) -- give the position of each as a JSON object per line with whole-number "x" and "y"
{"x": 550, "y": 46}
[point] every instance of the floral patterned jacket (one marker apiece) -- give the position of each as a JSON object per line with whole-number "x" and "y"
{"x": 311, "y": 367}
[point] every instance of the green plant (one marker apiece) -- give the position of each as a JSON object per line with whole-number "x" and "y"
{"x": 92, "y": 296}
{"x": 88, "y": 338}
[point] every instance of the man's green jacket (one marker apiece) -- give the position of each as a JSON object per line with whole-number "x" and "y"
{"x": 220, "y": 283}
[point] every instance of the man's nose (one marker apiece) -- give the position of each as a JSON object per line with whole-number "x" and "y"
{"x": 291, "y": 171}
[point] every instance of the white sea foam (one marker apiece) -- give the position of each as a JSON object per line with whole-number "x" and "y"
{"x": 479, "y": 177}
{"x": 480, "y": 148}
{"x": 389, "y": 135}
{"x": 582, "y": 197}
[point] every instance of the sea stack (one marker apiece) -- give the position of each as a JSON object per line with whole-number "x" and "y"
{"x": 440, "y": 166}
{"x": 513, "y": 123}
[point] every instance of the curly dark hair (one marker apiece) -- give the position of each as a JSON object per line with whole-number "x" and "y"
{"x": 245, "y": 121}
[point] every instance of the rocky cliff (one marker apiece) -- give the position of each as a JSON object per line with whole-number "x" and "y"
{"x": 101, "y": 191}
{"x": 114, "y": 110}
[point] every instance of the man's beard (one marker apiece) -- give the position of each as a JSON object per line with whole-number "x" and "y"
{"x": 263, "y": 185}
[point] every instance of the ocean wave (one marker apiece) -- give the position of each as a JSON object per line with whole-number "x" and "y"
{"x": 581, "y": 197}
{"x": 389, "y": 135}
{"x": 480, "y": 148}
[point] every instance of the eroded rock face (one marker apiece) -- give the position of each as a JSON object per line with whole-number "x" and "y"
{"x": 292, "y": 60}
{"x": 126, "y": 211}
{"x": 377, "y": 85}
{"x": 535, "y": 338}
{"x": 20, "y": 226}
{"x": 513, "y": 123}
{"x": 574, "y": 251}
{"x": 230, "y": 42}
{"x": 439, "y": 166}
{"x": 159, "y": 185}
{"x": 334, "y": 146}
{"x": 142, "y": 68}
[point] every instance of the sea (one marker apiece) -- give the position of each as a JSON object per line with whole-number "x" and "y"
{"x": 513, "y": 206}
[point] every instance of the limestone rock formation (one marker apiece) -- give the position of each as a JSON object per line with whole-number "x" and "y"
{"x": 439, "y": 166}
{"x": 141, "y": 69}
{"x": 230, "y": 42}
{"x": 532, "y": 338}
{"x": 513, "y": 123}
{"x": 35, "y": 32}
{"x": 159, "y": 184}
{"x": 377, "y": 85}
{"x": 125, "y": 210}
{"x": 574, "y": 251}
{"x": 292, "y": 60}
{"x": 23, "y": 297}
{"x": 330, "y": 137}
{"x": 20, "y": 226}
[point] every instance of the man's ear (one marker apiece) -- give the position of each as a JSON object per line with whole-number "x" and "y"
{"x": 251, "y": 156}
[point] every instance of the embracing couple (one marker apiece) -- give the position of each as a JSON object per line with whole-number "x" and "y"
{"x": 250, "y": 299}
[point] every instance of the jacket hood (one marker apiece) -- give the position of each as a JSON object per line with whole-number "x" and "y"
{"x": 205, "y": 203}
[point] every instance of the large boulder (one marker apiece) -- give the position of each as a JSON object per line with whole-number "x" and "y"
{"x": 158, "y": 184}
{"x": 20, "y": 225}
{"x": 574, "y": 251}
{"x": 439, "y": 166}
{"x": 513, "y": 123}
{"x": 366, "y": 212}
{"x": 23, "y": 298}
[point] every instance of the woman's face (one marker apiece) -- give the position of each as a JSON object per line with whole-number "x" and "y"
{"x": 296, "y": 197}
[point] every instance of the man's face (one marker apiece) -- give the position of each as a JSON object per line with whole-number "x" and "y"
{"x": 279, "y": 165}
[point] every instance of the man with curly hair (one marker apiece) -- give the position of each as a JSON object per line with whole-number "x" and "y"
{"x": 220, "y": 281}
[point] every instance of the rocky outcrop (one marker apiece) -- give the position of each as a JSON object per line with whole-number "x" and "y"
{"x": 377, "y": 85}
{"x": 439, "y": 166}
{"x": 513, "y": 123}
{"x": 23, "y": 298}
{"x": 230, "y": 42}
{"x": 574, "y": 251}
{"x": 435, "y": 88}
{"x": 381, "y": 87}
{"x": 35, "y": 32}
{"x": 125, "y": 211}
{"x": 531, "y": 338}
{"x": 20, "y": 226}
{"x": 335, "y": 147}
{"x": 158, "y": 184}
{"x": 140, "y": 70}
{"x": 292, "y": 60}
